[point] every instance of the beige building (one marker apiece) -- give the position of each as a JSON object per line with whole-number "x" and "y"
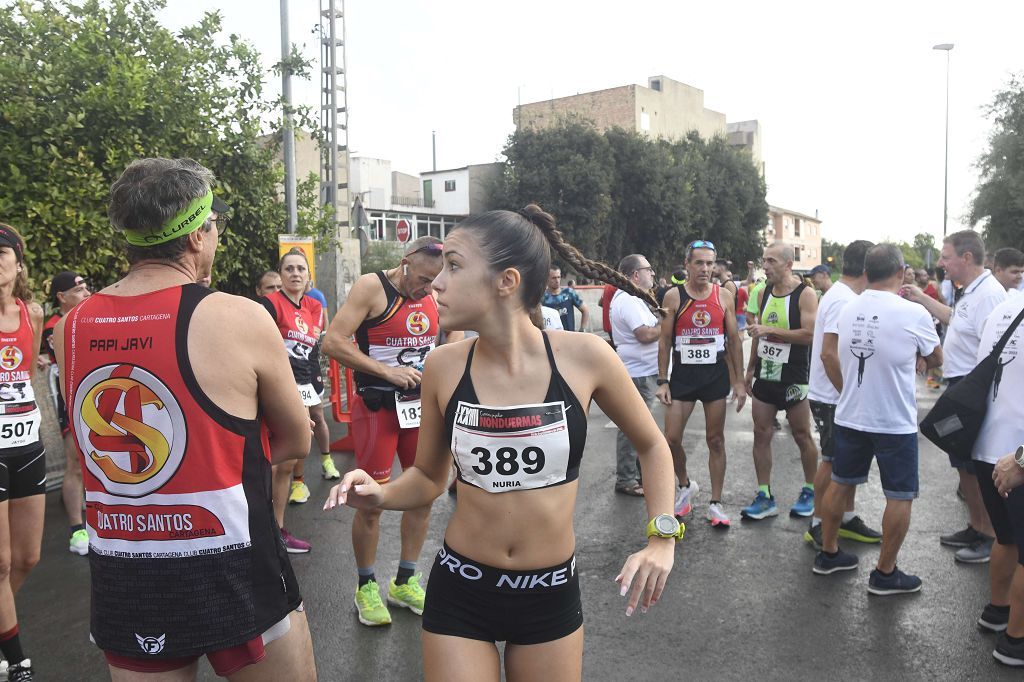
{"x": 800, "y": 231}
{"x": 665, "y": 108}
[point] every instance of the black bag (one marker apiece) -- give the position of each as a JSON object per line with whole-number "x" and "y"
{"x": 955, "y": 420}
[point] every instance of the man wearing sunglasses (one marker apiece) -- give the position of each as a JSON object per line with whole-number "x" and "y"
{"x": 780, "y": 359}
{"x": 394, "y": 321}
{"x": 67, "y": 290}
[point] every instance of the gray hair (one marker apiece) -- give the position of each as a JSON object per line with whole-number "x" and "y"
{"x": 882, "y": 262}
{"x": 631, "y": 263}
{"x": 785, "y": 251}
{"x": 148, "y": 194}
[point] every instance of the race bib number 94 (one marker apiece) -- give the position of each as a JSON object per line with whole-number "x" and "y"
{"x": 511, "y": 448}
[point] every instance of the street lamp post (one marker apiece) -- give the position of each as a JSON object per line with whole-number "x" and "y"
{"x": 945, "y": 47}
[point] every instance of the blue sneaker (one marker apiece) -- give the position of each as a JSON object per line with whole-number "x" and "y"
{"x": 897, "y": 583}
{"x": 762, "y": 507}
{"x": 804, "y": 505}
{"x": 842, "y": 561}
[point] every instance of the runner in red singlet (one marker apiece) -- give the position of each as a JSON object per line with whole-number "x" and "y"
{"x": 22, "y": 460}
{"x": 177, "y": 425}
{"x": 394, "y": 321}
{"x": 68, "y": 289}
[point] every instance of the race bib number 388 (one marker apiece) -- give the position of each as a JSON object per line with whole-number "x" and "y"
{"x": 511, "y": 448}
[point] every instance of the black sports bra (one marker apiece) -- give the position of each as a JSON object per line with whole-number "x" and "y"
{"x": 516, "y": 447}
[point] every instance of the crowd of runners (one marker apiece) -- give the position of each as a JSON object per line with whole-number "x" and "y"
{"x": 187, "y": 447}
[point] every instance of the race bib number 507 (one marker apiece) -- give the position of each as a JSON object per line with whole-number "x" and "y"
{"x": 511, "y": 448}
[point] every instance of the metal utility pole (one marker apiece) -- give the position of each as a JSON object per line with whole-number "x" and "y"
{"x": 947, "y": 48}
{"x": 433, "y": 141}
{"x": 288, "y": 133}
{"x": 334, "y": 109}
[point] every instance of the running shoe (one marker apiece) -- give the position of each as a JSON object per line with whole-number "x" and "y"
{"x": 293, "y": 544}
{"x": 408, "y": 596}
{"x": 20, "y": 672}
{"x": 717, "y": 516}
{"x": 299, "y": 493}
{"x": 994, "y": 618}
{"x": 1008, "y": 654}
{"x": 842, "y": 561}
{"x": 684, "y": 499}
{"x": 804, "y": 505}
{"x": 962, "y": 538}
{"x": 79, "y": 542}
{"x": 762, "y": 507}
{"x": 978, "y": 553}
{"x": 855, "y": 529}
{"x": 812, "y": 536}
{"x": 328, "y": 469}
{"x": 897, "y": 583}
{"x": 370, "y": 606}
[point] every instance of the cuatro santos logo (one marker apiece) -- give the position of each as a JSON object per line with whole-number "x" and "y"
{"x": 131, "y": 429}
{"x": 417, "y": 323}
{"x": 301, "y": 325}
{"x": 10, "y": 357}
{"x": 701, "y": 318}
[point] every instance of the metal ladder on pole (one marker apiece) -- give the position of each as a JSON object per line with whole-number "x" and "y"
{"x": 334, "y": 165}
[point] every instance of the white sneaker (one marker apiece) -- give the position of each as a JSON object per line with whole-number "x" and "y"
{"x": 684, "y": 498}
{"x": 717, "y": 516}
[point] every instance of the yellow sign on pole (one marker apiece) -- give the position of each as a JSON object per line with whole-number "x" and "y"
{"x": 287, "y": 242}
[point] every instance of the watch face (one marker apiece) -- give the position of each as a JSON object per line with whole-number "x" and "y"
{"x": 666, "y": 524}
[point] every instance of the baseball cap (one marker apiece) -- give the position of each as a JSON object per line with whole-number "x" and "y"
{"x": 820, "y": 269}
{"x": 63, "y": 281}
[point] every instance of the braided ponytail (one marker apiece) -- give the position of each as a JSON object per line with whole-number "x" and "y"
{"x": 545, "y": 222}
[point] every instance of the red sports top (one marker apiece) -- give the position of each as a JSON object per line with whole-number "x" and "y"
{"x": 402, "y": 335}
{"x": 185, "y": 554}
{"x": 699, "y": 322}
{"x": 19, "y": 414}
{"x": 300, "y": 327}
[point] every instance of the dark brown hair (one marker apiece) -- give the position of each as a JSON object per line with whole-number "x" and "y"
{"x": 524, "y": 239}
{"x": 21, "y": 288}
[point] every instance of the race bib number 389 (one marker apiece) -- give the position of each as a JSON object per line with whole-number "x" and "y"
{"x": 511, "y": 448}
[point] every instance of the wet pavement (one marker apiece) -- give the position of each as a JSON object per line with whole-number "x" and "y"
{"x": 740, "y": 604}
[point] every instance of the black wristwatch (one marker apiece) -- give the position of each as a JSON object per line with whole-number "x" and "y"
{"x": 662, "y": 382}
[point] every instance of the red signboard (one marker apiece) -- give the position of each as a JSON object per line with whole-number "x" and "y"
{"x": 402, "y": 230}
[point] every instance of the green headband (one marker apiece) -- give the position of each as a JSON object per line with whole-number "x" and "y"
{"x": 190, "y": 219}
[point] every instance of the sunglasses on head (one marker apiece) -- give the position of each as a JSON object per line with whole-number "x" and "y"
{"x": 701, "y": 244}
{"x": 433, "y": 249}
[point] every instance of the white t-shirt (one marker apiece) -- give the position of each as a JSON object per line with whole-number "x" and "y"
{"x": 880, "y": 335}
{"x": 1003, "y": 428}
{"x": 820, "y": 389}
{"x": 552, "y": 320}
{"x": 627, "y": 313}
{"x": 946, "y": 290}
{"x": 960, "y": 349}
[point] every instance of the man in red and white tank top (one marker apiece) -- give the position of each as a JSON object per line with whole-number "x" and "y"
{"x": 177, "y": 425}
{"x": 701, "y": 338}
{"x": 393, "y": 318}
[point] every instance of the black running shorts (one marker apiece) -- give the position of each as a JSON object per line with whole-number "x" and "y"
{"x": 23, "y": 475}
{"x": 468, "y": 599}
{"x": 704, "y": 383}
{"x": 783, "y": 397}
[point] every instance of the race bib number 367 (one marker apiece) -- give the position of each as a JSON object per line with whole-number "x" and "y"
{"x": 511, "y": 448}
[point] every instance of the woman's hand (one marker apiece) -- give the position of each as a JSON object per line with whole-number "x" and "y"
{"x": 646, "y": 572}
{"x": 358, "y": 490}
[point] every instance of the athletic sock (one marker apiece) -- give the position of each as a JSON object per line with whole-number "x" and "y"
{"x": 324, "y": 456}
{"x": 848, "y": 516}
{"x": 1000, "y": 609}
{"x": 831, "y": 555}
{"x": 366, "y": 575}
{"x": 1014, "y": 640}
{"x": 77, "y": 527}
{"x": 715, "y": 502}
{"x": 10, "y": 645}
{"x": 681, "y": 486}
{"x": 815, "y": 521}
{"x": 406, "y": 569}
{"x": 883, "y": 573}
{"x": 766, "y": 489}
{"x": 809, "y": 486}
{"x": 298, "y": 479}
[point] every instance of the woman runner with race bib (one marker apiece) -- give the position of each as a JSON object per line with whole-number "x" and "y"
{"x": 511, "y": 407}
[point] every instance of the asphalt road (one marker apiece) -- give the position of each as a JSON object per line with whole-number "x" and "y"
{"x": 740, "y": 604}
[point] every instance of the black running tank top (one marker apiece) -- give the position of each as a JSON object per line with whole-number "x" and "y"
{"x": 516, "y": 447}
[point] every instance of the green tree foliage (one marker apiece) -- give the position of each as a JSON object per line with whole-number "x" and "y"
{"x": 833, "y": 251}
{"x": 924, "y": 245}
{"x": 87, "y": 88}
{"x": 619, "y": 192}
{"x": 999, "y": 197}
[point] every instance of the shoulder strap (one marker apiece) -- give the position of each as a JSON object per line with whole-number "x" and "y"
{"x": 998, "y": 349}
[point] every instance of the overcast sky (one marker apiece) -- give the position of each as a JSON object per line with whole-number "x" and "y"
{"x": 850, "y": 96}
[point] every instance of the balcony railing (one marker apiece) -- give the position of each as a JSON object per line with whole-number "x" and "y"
{"x": 411, "y": 201}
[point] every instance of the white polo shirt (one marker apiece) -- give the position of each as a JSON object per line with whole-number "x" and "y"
{"x": 1003, "y": 428}
{"x": 960, "y": 349}
{"x": 627, "y": 313}
{"x": 880, "y": 335}
{"x": 820, "y": 389}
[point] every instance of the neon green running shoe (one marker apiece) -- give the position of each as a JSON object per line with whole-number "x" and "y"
{"x": 330, "y": 471}
{"x": 408, "y": 596}
{"x": 299, "y": 493}
{"x": 371, "y": 609}
{"x": 79, "y": 542}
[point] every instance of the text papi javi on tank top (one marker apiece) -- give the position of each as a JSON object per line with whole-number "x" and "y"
{"x": 184, "y": 550}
